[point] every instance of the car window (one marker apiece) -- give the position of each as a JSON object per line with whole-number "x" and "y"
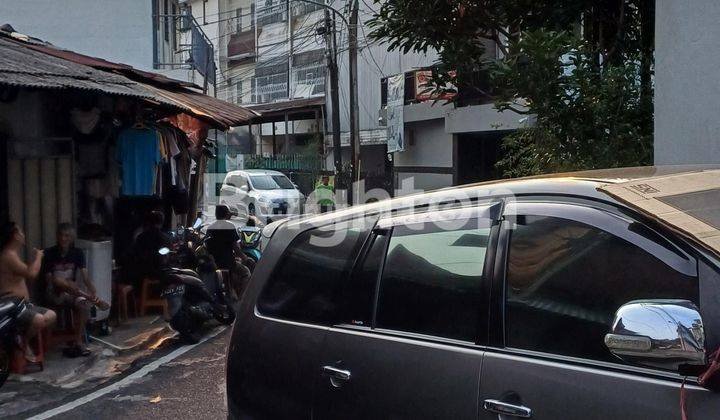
{"x": 263, "y": 182}
{"x": 283, "y": 182}
{"x": 565, "y": 280}
{"x": 431, "y": 280}
{"x": 305, "y": 285}
{"x": 359, "y": 295}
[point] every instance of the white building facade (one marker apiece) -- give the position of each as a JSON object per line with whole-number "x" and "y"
{"x": 152, "y": 35}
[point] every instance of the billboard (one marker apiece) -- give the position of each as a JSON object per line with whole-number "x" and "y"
{"x": 395, "y": 121}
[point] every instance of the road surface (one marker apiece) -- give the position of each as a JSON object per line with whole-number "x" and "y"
{"x": 190, "y": 386}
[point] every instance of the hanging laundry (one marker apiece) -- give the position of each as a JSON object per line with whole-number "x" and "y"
{"x": 138, "y": 152}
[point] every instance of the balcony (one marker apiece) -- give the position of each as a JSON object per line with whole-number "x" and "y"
{"x": 271, "y": 11}
{"x": 180, "y": 43}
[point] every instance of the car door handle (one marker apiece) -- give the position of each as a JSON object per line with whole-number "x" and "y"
{"x": 333, "y": 372}
{"x": 499, "y": 407}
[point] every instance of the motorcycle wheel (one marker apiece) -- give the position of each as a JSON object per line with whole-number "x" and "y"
{"x": 226, "y": 315}
{"x": 186, "y": 326}
{"x": 5, "y": 353}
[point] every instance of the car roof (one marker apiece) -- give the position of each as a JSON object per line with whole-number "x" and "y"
{"x": 255, "y": 172}
{"x": 581, "y": 184}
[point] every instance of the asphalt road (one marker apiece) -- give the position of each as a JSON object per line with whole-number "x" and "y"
{"x": 191, "y": 386}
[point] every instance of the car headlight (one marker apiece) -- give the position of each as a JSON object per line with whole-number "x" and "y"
{"x": 263, "y": 200}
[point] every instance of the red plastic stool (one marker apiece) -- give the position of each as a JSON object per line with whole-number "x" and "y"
{"x": 19, "y": 364}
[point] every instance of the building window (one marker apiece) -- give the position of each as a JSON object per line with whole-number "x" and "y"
{"x": 166, "y": 22}
{"x": 239, "y": 92}
{"x": 174, "y": 18}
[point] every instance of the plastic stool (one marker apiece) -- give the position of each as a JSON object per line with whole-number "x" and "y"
{"x": 19, "y": 364}
{"x": 149, "y": 301}
{"x": 122, "y": 293}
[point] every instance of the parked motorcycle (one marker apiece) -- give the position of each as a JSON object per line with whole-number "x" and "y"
{"x": 250, "y": 238}
{"x": 11, "y": 308}
{"x": 191, "y": 303}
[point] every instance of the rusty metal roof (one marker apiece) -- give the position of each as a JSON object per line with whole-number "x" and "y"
{"x": 40, "y": 65}
{"x": 23, "y": 67}
{"x": 206, "y": 107}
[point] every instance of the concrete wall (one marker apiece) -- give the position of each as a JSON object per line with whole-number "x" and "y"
{"x": 115, "y": 30}
{"x": 426, "y": 144}
{"x": 687, "y": 92}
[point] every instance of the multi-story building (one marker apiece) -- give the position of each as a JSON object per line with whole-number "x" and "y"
{"x": 686, "y": 89}
{"x": 152, "y": 35}
{"x": 269, "y": 50}
{"x": 445, "y": 144}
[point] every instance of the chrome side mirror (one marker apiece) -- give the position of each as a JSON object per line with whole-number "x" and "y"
{"x": 658, "y": 333}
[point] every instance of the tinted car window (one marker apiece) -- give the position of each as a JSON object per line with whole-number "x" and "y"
{"x": 305, "y": 284}
{"x": 359, "y": 296}
{"x": 263, "y": 182}
{"x": 431, "y": 281}
{"x": 566, "y": 280}
{"x": 283, "y": 182}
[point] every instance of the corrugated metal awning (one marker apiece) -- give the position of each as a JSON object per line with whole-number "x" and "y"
{"x": 24, "y": 67}
{"x": 43, "y": 66}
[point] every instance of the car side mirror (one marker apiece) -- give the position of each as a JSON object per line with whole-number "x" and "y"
{"x": 660, "y": 333}
{"x": 244, "y": 188}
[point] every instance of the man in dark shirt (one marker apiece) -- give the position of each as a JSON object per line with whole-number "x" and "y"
{"x": 222, "y": 244}
{"x": 69, "y": 286}
{"x": 148, "y": 243}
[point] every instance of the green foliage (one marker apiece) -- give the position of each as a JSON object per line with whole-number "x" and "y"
{"x": 586, "y": 115}
{"x": 580, "y": 69}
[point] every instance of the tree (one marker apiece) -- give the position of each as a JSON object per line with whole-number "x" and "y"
{"x": 582, "y": 69}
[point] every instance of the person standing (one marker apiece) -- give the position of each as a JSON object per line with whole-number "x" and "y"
{"x": 14, "y": 276}
{"x": 69, "y": 285}
{"x": 324, "y": 195}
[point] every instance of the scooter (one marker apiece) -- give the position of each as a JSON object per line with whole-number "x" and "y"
{"x": 11, "y": 308}
{"x": 190, "y": 303}
{"x": 250, "y": 238}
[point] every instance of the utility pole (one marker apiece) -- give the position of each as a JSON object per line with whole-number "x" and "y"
{"x": 331, "y": 55}
{"x": 354, "y": 109}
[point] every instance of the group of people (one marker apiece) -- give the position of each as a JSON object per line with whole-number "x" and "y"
{"x": 67, "y": 284}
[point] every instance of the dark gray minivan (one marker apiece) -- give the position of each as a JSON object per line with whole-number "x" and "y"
{"x": 538, "y": 298}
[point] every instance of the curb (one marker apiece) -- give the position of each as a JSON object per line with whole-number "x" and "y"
{"x": 141, "y": 341}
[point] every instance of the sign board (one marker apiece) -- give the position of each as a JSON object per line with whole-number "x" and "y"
{"x": 395, "y": 121}
{"x": 422, "y": 84}
{"x": 688, "y": 202}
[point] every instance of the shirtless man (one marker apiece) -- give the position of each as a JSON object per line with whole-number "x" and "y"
{"x": 14, "y": 275}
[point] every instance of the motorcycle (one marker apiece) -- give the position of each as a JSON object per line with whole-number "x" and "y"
{"x": 195, "y": 298}
{"x": 250, "y": 238}
{"x": 11, "y": 308}
{"x": 187, "y": 243}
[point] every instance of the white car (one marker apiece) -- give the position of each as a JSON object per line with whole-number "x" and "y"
{"x": 269, "y": 195}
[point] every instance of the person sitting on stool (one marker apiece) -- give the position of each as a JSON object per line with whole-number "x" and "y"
{"x": 69, "y": 286}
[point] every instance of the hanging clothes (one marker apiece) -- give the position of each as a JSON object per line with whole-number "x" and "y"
{"x": 138, "y": 151}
